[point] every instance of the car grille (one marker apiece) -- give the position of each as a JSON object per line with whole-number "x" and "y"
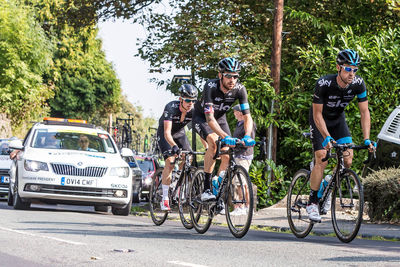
{"x": 64, "y": 169}
{"x": 75, "y": 190}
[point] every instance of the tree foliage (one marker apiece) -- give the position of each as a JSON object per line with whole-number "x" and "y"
{"x": 25, "y": 54}
{"x": 199, "y": 33}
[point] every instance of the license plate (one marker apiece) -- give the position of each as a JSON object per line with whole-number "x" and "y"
{"x": 5, "y": 180}
{"x": 78, "y": 181}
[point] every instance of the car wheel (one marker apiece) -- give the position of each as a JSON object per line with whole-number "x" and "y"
{"x": 18, "y": 204}
{"x": 101, "y": 208}
{"x": 10, "y": 197}
{"x": 122, "y": 211}
{"x": 136, "y": 196}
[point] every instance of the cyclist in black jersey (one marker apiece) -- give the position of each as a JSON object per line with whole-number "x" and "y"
{"x": 327, "y": 119}
{"x": 209, "y": 116}
{"x": 171, "y": 133}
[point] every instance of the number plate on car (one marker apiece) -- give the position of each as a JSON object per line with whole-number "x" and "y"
{"x": 78, "y": 181}
{"x": 5, "y": 179}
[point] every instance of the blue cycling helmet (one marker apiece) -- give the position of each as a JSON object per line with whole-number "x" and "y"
{"x": 348, "y": 56}
{"x": 188, "y": 90}
{"x": 229, "y": 64}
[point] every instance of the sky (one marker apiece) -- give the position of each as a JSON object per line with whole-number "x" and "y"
{"x": 119, "y": 43}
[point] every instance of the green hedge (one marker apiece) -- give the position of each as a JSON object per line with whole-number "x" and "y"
{"x": 382, "y": 194}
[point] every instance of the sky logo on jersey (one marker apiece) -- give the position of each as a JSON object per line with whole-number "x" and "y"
{"x": 62, "y": 180}
{"x": 212, "y": 84}
{"x": 208, "y": 109}
{"x": 323, "y": 82}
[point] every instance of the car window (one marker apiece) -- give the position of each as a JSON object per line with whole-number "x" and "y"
{"x": 145, "y": 165}
{"x": 4, "y": 148}
{"x": 73, "y": 140}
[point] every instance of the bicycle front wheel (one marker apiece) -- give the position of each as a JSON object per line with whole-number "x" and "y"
{"x": 199, "y": 211}
{"x": 183, "y": 202}
{"x": 297, "y": 199}
{"x": 239, "y": 202}
{"x": 347, "y": 206}
{"x": 157, "y": 215}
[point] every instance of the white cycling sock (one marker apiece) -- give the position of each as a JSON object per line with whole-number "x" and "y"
{"x": 165, "y": 189}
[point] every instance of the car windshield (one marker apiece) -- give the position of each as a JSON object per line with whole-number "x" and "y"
{"x": 4, "y": 150}
{"x": 146, "y": 165}
{"x": 73, "y": 140}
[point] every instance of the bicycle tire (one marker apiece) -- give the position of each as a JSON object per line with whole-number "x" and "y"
{"x": 297, "y": 199}
{"x": 199, "y": 211}
{"x": 183, "y": 202}
{"x": 347, "y": 211}
{"x": 239, "y": 192}
{"x": 157, "y": 215}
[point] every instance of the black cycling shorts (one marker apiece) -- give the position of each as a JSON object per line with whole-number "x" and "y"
{"x": 202, "y": 128}
{"x": 180, "y": 139}
{"x": 337, "y": 128}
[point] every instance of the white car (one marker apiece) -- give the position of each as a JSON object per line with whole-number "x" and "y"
{"x": 71, "y": 162}
{"x": 5, "y": 165}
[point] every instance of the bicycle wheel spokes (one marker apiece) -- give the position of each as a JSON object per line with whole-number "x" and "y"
{"x": 347, "y": 206}
{"x": 157, "y": 215}
{"x": 239, "y": 202}
{"x": 199, "y": 211}
{"x": 183, "y": 203}
{"x": 297, "y": 199}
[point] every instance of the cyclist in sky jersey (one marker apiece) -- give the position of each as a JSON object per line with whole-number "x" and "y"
{"x": 171, "y": 133}
{"x": 209, "y": 116}
{"x": 327, "y": 119}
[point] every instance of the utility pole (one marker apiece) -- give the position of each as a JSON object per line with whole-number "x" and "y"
{"x": 276, "y": 72}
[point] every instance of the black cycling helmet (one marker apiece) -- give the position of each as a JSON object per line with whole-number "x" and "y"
{"x": 188, "y": 90}
{"x": 348, "y": 56}
{"x": 229, "y": 64}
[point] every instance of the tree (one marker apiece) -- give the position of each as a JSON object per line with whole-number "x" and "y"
{"x": 25, "y": 54}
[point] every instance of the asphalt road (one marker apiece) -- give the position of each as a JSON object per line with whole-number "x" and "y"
{"x": 61, "y": 235}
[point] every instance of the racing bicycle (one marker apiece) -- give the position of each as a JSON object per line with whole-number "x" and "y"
{"x": 235, "y": 190}
{"x": 344, "y": 191}
{"x": 178, "y": 192}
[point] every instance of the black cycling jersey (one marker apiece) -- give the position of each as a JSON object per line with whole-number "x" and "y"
{"x": 335, "y": 98}
{"x": 215, "y": 101}
{"x": 173, "y": 113}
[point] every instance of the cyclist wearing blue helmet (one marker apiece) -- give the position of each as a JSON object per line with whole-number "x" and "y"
{"x": 327, "y": 119}
{"x": 210, "y": 120}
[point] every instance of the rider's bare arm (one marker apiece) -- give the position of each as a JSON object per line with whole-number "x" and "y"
{"x": 212, "y": 122}
{"x": 319, "y": 120}
{"x": 248, "y": 124}
{"x": 167, "y": 133}
{"x": 365, "y": 118}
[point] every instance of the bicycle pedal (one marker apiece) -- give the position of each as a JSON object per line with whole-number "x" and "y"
{"x": 313, "y": 221}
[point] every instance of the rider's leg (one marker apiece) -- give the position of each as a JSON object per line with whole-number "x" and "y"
{"x": 166, "y": 176}
{"x": 209, "y": 162}
{"x": 317, "y": 174}
{"x": 348, "y": 158}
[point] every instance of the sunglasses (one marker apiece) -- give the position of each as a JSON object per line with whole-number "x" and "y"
{"x": 348, "y": 69}
{"x": 188, "y": 100}
{"x": 84, "y": 141}
{"x": 229, "y": 76}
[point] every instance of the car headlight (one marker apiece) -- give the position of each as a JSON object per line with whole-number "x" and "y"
{"x": 148, "y": 180}
{"x": 35, "y": 166}
{"x": 120, "y": 171}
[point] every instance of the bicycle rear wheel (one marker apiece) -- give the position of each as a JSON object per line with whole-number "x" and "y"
{"x": 347, "y": 206}
{"x": 183, "y": 202}
{"x": 199, "y": 211}
{"x": 157, "y": 215}
{"x": 297, "y": 199}
{"x": 239, "y": 202}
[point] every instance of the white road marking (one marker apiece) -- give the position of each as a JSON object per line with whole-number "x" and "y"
{"x": 186, "y": 264}
{"x": 42, "y": 236}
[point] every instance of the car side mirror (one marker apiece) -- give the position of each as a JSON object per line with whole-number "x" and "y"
{"x": 16, "y": 144}
{"x": 126, "y": 152}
